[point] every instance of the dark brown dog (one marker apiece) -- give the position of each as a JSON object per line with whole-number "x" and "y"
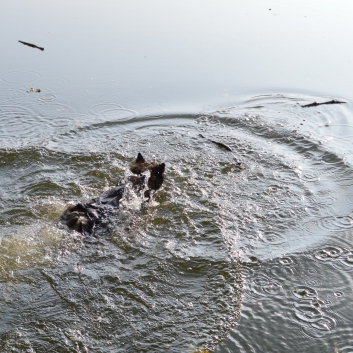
{"x": 83, "y": 218}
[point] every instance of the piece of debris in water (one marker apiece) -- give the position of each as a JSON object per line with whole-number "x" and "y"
{"x": 33, "y": 90}
{"x": 239, "y": 164}
{"x": 314, "y": 104}
{"x": 303, "y": 293}
{"x": 31, "y": 45}
{"x": 220, "y": 144}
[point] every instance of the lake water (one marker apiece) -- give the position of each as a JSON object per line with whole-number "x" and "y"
{"x": 224, "y": 259}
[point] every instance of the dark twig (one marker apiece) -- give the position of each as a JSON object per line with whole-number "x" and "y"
{"x": 32, "y": 45}
{"x": 334, "y": 101}
{"x": 220, "y": 144}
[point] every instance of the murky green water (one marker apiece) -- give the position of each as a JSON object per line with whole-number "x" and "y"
{"x": 226, "y": 259}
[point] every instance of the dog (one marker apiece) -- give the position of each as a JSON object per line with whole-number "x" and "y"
{"x": 84, "y": 217}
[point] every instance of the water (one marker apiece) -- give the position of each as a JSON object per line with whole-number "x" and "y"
{"x": 224, "y": 259}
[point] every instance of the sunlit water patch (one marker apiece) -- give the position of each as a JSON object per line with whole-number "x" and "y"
{"x": 167, "y": 277}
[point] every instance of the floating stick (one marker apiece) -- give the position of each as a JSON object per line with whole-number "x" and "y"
{"x": 334, "y": 101}
{"x": 32, "y": 45}
{"x": 220, "y": 144}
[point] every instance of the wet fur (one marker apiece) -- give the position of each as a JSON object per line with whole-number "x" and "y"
{"x": 84, "y": 217}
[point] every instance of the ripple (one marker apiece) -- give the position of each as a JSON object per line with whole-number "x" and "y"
{"x": 13, "y": 96}
{"x": 348, "y": 259}
{"x": 307, "y": 314}
{"x": 273, "y": 238}
{"x": 347, "y": 349}
{"x": 330, "y": 224}
{"x": 52, "y": 109}
{"x": 286, "y": 261}
{"x": 10, "y": 112}
{"x": 343, "y": 222}
{"x": 313, "y": 282}
{"x": 345, "y": 261}
{"x": 329, "y": 253}
{"x": 52, "y": 83}
{"x": 310, "y": 177}
{"x": 321, "y": 327}
{"x": 281, "y": 272}
{"x": 103, "y": 108}
{"x": 14, "y": 120}
{"x": 331, "y": 158}
{"x": 48, "y": 97}
{"x": 343, "y": 177}
{"x": 312, "y": 271}
{"x": 111, "y": 110}
{"x": 16, "y": 77}
{"x": 247, "y": 272}
{"x": 349, "y": 198}
{"x": 323, "y": 201}
{"x": 265, "y": 286}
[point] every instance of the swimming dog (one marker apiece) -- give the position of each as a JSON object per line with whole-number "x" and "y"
{"x": 84, "y": 217}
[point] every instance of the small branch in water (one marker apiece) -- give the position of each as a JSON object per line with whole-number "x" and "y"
{"x": 32, "y": 45}
{"x": 334, "y": 101}
{"x": 220, "y": 144}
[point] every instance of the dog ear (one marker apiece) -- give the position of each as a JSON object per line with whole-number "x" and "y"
{"x": 139, "y": 166}
{"x": 159, "y": 169}
{"x": 140, "y": 159}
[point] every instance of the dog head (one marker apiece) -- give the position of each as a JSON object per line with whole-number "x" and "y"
{"x": 141, "y": 165}
{"x": 156, "y": 179}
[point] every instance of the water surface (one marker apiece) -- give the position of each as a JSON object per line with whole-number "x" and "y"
{"x": 228, "y": 259}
